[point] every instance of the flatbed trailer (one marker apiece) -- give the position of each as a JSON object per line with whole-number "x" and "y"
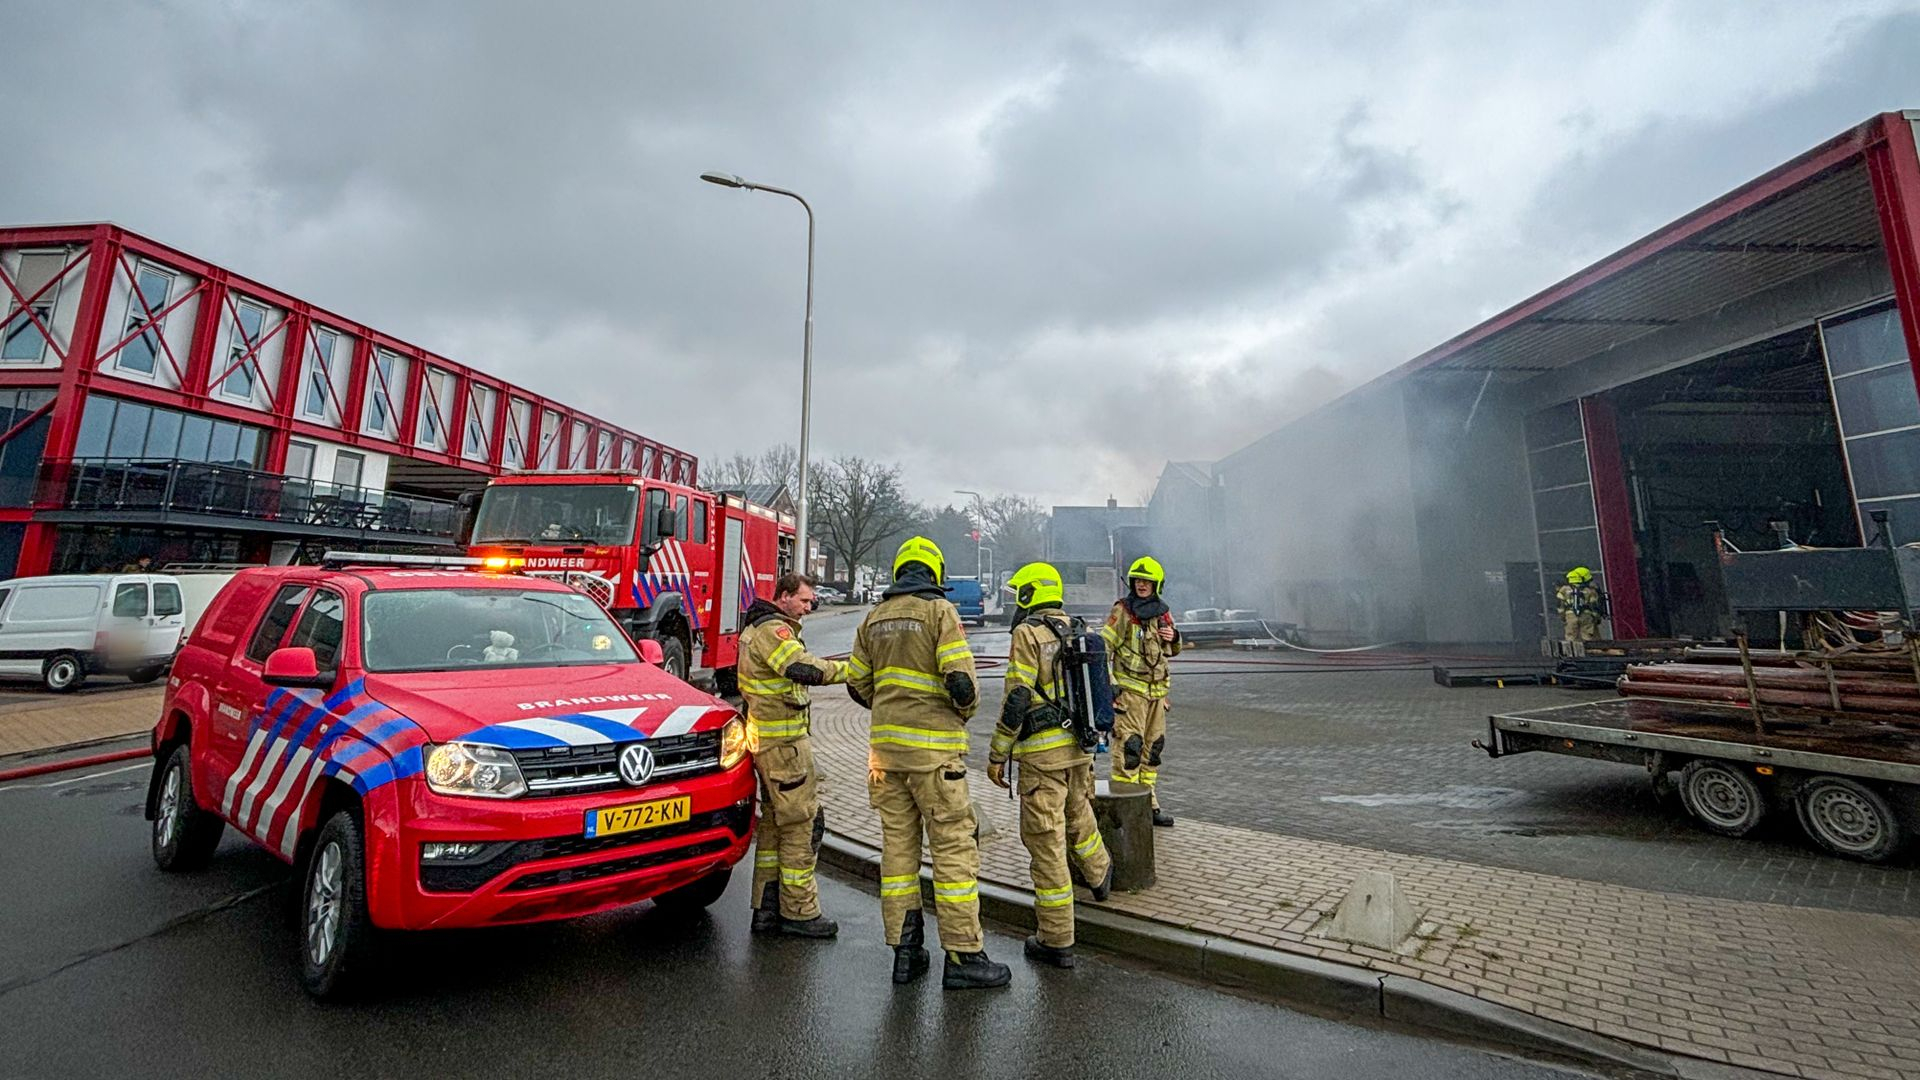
{"x": 1852, "y": 781}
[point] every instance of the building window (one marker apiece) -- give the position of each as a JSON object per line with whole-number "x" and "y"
{"x": 22, "y": 342}
{"x": 1878, "y": 407}
{"x": 320, "y": 398}
{"x": 112, "y": 428}
{"x": 646, "y": 460}
{"x": 386, "y": 381}
{"x": 436, "y": 400}
{"x": 603, "y": 456}
{"x": 519, "y": 416}
{"x": 348, "y": 468}
{"x": 478, "y": 440}
{"x": 300, "y": 460}
{"x": 549, "y": 440}
{"x": 148, "y": 300}
{"x": 626, "y": 454}
{"x": 577, "y": 445}
{"x": 243, "y": 350}
{"x": 20, "y": 455}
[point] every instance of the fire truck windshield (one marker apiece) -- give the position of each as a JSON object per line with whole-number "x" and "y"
{"x": 556, "y": 513}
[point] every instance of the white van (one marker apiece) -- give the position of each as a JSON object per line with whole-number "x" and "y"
{"x": 64, "y": 628}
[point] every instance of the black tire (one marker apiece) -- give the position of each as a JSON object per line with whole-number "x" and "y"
{"x": 184, "y": 835}
{"x": 696, "y": 895}
{"x": 1722, "y": 797}
{"x": 673, "y": 658}
{"x": 63, "y": 673}
{"x": 1849, "y": 819}
{"x": 143, "y": 676}
{"x": 336, "y": 935}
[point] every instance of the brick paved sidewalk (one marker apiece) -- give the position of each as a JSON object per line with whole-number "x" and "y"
{"x": 1799, "y": 991}
{"x": 44, "y": 725}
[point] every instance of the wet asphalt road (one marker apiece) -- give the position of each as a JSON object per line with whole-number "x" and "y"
{"x": 1384, "y": 759}
{"x": 110, "y": 968}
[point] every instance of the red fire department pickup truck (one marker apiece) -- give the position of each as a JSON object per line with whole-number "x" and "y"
{"x": 672, "y": 563}
{"x": 435, "y": 747}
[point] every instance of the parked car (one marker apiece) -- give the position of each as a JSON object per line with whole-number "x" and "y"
{"x": 827, "y": 594}
{"x": 63, "y": 628}
{"x": 437, "y": 748}
{"x": 968, "y": 599}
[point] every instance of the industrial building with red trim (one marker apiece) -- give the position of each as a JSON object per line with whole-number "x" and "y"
{"x": 1752, "y": 363}
{"x": 155, "y": 405}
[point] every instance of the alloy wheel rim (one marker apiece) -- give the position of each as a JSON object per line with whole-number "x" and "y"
{"x": 169, "y": 807}
{"x": 323, "y": 904}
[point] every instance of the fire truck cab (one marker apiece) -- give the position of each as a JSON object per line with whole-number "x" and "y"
{"x": 672, "y": 563}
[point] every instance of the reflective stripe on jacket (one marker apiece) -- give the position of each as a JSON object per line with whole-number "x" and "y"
{"x": 1030, "y": 664}
{"x": 902, "y": 654}
{"x": 1139, "y": 656}
{"x": 776, "y": 705}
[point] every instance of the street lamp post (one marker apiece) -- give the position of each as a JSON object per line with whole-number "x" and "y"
{"x": 806, "y": 361}
{"x": 976, "y": 532}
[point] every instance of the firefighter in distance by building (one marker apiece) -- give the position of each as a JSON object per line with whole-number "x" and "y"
{"x": 1043, "y": 748}
{"x": 912, "y": 666}
{"x": 775, "y": 671}
{"x": 1581, "y": 605}
{"x": 1140, "y": 635}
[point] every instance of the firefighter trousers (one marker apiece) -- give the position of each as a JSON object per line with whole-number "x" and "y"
{"x": 1056, "y": 823}
{"x": 783, "y": 844}
{"x": 938, "y": 804}
{"x": 1581, "y": 626}
{"x": 1139, "y": 736}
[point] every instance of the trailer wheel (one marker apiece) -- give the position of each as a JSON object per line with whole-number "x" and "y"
{"x": 1722, "y": 797}
{"x": 1849, "y": 819}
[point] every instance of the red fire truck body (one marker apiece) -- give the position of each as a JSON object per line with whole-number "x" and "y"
{"x": 672, "y": 563}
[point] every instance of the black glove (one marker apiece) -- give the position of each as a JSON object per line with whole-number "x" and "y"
{"x": 859, "y": 698}
{"x": 1013, "y": 711}
{"x": 961, "y": 689}
{"x": 806, "y": 674}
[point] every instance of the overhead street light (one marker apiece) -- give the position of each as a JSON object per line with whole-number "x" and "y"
{"x": 806, "y": 359}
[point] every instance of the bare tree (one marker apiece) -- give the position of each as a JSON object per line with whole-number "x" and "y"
{"x": 738, "y": 471}
{"x": 780, "y": 466}
{"x": 1014, "y": 526}
{"x": 857, "y": 504}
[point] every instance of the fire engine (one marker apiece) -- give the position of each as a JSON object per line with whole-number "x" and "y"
{"x": 671, "y": 563}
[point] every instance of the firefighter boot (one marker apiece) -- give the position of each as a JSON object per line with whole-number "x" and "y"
{"x": 1042, "y": 953}
{"x": 973, "y": 971}
{"x": 910, "y": 960}
{"x": 817, "y": 927}
{"x": 1105, "y": 887}
{"x": 1162, "y": 818}
{"x": 767, "y": 916}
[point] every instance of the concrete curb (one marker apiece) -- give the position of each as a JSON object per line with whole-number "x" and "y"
{"x": 1342, "y": 991}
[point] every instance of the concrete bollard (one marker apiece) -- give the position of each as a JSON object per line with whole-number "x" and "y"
{"x": 1376, "y": 912}
{"x": 1125, "y": 814}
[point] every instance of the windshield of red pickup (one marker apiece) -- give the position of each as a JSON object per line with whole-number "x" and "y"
{"x": 451, "y": 629}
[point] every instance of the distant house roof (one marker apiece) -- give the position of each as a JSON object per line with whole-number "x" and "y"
{"x": 1199, "y": 473}
{"x": 1083, "y": 533}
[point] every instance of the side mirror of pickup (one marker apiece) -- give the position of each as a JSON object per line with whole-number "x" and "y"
{"x": 651, "y": 652}
{"x": 295, "y": 667}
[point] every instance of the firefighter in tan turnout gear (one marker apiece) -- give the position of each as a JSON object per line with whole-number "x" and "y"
{"x": 911, "y": 665}
{"x": 1055, "y": 772}
{"x": 775, "y": 670}
{"x": 1141, "y": 638}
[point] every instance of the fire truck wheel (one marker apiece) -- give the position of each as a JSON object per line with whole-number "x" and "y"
{"x": 1722, "y": 797}
{"x": 184, "y": 835}
{"x": 1849, "y": 818}
{"x": 674, "y": 658}
{"x": 696, "y": 895}
{"x": 63, "y": 673}
{"x": 336, "y": 934}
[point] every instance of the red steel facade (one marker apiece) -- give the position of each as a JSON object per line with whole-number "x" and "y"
{"x": 95, "y": 311}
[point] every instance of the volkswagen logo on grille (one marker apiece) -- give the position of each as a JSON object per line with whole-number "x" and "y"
{"x": 636, "y": 764}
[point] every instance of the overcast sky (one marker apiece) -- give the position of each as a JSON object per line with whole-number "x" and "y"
{"x": 1058, "y": 243}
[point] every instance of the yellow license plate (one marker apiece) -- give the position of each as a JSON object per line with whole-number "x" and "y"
{"x": 636, "y": 816}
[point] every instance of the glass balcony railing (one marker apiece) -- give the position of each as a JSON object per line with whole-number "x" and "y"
{"x": 193, "y": 487}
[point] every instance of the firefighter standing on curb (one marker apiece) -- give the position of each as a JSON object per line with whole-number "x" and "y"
{"x": 911, "y": 665}
{"x": 1140, "y": 636}
{"x": 1055, "y": 771}
{"x": 775, "y": 670}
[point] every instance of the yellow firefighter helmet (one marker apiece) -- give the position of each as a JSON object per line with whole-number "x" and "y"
{"x": 919, "y": 549}
{"x": 1148, "y": 568}
{"x": 1037, "y": 583}
{"x": 1579, "y": 575}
